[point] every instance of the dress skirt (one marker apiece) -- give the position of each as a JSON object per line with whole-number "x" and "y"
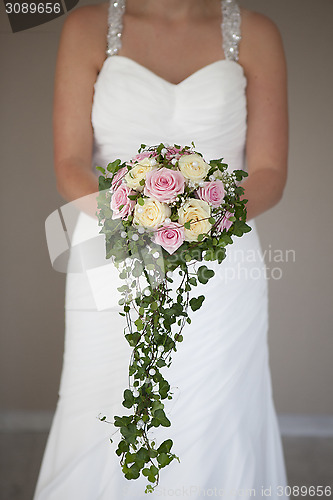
{"x": 223, "y": 420}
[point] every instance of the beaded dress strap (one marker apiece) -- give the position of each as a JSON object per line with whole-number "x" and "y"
{"x": 231, "y": 29}
{"x": 115, "y": 26}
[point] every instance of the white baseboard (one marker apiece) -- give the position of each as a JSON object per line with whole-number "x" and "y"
{"x": 306, "y": 425}
{"x": 25, "y": 421}
{"x": 290, "y": 424}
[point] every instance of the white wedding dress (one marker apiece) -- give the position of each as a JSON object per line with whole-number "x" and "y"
{"x": 224, "y": 424}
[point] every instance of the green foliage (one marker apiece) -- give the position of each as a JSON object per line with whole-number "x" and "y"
{"x": 155, "y": 320}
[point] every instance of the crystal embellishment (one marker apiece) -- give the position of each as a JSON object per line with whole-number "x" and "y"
{"x": 231, "y": 29}
{"x": 115, "y": 26}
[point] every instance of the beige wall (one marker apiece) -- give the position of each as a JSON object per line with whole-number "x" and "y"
{"x": 300, "y": 336}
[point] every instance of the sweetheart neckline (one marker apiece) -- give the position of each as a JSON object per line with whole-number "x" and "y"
{"x": 175, "y": 85}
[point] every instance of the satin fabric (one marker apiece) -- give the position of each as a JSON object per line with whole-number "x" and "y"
{"x": 224, "y": 424}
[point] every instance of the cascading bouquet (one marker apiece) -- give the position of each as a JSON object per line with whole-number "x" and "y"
{"x": 164, "y": 210}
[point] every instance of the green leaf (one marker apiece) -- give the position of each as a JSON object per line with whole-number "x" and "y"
{"x": 113, "y": 166}
{"x": 163, "y": 459}
{"x": 130, "y": 432}
{"x": 139, "y": 324}
{"x": 104, "y": 184}
{"x": 128, "y": 399}
{"x": 165, "y": 447}
{"x": 143, "y": 454}
{"x": 160, "y": 363}
{"x": 196, "y": 303}
{"x": 101, "y": 169}
{"x": 240, "y": 174}
{"x": 240, "y": 227}
{"x": 187, "y": 225}
{"x": 204, "y": 274}
{"x": 157, "y": 405}
{"x": 141, "y": 201}
{"x": 164, "y": 388}
{"x": 162, "y": 418}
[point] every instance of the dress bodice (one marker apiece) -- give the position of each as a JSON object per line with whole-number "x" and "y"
{"x": 132, "y": 105}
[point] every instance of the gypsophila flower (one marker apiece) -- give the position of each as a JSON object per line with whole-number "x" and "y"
{"x": 140, "y": 424}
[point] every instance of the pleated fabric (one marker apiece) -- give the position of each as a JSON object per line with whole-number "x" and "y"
{"x": 224, "y": 424}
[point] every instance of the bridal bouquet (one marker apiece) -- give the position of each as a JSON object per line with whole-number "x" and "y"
{"x": 164, "y": 210}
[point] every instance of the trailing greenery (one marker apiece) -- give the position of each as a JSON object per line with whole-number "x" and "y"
{"x": 155, "y": 313}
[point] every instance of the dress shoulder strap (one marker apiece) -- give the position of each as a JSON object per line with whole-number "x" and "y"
{"x": 115, "y": 26}
{"x": 231, "y": 29}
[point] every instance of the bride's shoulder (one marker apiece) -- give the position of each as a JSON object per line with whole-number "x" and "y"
{"x": 257, "y": 27}
{"x": 85, "y": 29}
{"x": 261, "y": 39}
{"x": 89, "y": 14}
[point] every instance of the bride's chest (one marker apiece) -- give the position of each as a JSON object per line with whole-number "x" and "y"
{"x": 172, "y": 51}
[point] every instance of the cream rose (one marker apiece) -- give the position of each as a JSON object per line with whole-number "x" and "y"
{"x": 193, "y": 167}
{"x": 137, "y": 173}
{"x": 151, "y": 214}
{"x": 199, "y": 212}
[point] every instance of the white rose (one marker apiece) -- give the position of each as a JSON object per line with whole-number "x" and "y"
{"x": 193, "y": 167}
{"x": 151, "y": 214}
{"x": 199, "y": 212}
{"x": 137, "y": 173}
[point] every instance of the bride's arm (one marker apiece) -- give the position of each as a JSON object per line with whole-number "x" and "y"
{"x": 79, "y": 53}
{"x": 262, "y": 57}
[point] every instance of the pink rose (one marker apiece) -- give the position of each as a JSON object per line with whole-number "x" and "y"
{"x": 141, "y": 156}
{"x": 119, "y": 198}
{"x": 117, "y": 179}
{"x": 170, "y": 236}
{"x": 173, "y": 152}
{"x": 212, "y": 192}
{"x": 164, "y": 184}
{"x": 225, "y": 222}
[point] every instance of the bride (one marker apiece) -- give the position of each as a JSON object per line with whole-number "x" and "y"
{"x": 175, "y": 72}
